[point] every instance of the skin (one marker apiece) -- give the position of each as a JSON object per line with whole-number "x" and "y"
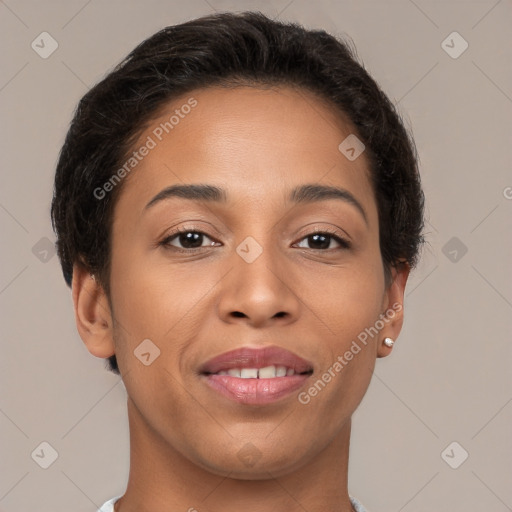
{"x": 185, "y": 439}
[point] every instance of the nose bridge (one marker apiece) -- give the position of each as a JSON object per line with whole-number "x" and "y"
{"x": 256, "y": 288}
{"x": 259, "y": 264}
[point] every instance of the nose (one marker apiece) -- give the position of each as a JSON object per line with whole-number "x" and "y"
{"x": 259, "y": 293}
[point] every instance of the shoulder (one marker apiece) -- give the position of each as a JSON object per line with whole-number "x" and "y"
{"x": 108, "y": 506}
{"x": 358, "y": 507}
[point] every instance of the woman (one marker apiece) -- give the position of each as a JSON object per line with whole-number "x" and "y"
{"x": 238, "y": 207}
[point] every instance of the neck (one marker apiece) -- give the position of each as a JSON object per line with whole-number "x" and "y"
{"x": 162, "y": 479}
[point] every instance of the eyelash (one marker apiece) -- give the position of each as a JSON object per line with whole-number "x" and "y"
{"x": 344, "y": 243}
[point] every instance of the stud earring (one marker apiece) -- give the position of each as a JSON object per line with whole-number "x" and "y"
{"x": 388, "y": 342}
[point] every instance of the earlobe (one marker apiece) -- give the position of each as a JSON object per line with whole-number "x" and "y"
{"x": 394, "y": 313}
{"x": 92, "y": 313}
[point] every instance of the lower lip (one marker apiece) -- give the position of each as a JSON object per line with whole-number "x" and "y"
{"x": 255, "y": 391}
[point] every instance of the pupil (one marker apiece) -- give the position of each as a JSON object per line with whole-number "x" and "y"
{"x": 324, "y": 244}
{"x": 188, "y": 239}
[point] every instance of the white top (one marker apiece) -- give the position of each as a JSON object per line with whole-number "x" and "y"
{"x": 109, "y": 505}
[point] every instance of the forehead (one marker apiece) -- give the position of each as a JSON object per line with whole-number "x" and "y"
{"x": 256, "y": 143}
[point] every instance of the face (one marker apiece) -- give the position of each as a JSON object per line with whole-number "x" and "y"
{"x": 258, "y": 266}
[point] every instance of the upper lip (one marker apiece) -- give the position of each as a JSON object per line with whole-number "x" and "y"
{"x": 247, "y": 357}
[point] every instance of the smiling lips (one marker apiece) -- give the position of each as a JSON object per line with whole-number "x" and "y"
{"x": 256, "y": 376}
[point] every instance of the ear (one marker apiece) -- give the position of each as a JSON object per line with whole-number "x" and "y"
{"x": 393, "y": 310}
{"x": 92, "y": 313}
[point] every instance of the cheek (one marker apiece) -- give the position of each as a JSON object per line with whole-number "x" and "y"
{"x": 167, "y": 304}
{"x": 348, "y": 298}
{"x": 349, "y": 302}
{"x": 155, "y": 300}
{"x": 141, "y": 290}
{"x": 349, "y": 307}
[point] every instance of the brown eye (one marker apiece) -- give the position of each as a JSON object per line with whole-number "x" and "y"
{"x": 323, "y": 241}
{"x": 187, "y": 239}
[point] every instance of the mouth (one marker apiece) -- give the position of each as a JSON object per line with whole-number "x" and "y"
{"x": 256, "y": 376}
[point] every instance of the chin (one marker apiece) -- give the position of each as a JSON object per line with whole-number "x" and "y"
{"x": 249, "y": 463}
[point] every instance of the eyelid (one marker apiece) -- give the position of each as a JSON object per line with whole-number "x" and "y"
{"x": 330, "y": 229}
{"x": 188, "y": 225}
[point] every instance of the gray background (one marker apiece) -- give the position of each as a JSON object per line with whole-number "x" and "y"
{"x": 448, "y": 378}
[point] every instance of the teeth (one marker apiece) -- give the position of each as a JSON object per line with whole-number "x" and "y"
{"x": 281, "y": 371}
{"x": 249, "y": 373}
{"x": 269, "y": 372}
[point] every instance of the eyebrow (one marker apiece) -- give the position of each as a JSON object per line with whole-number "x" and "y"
{"x": 308, "y": 193}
